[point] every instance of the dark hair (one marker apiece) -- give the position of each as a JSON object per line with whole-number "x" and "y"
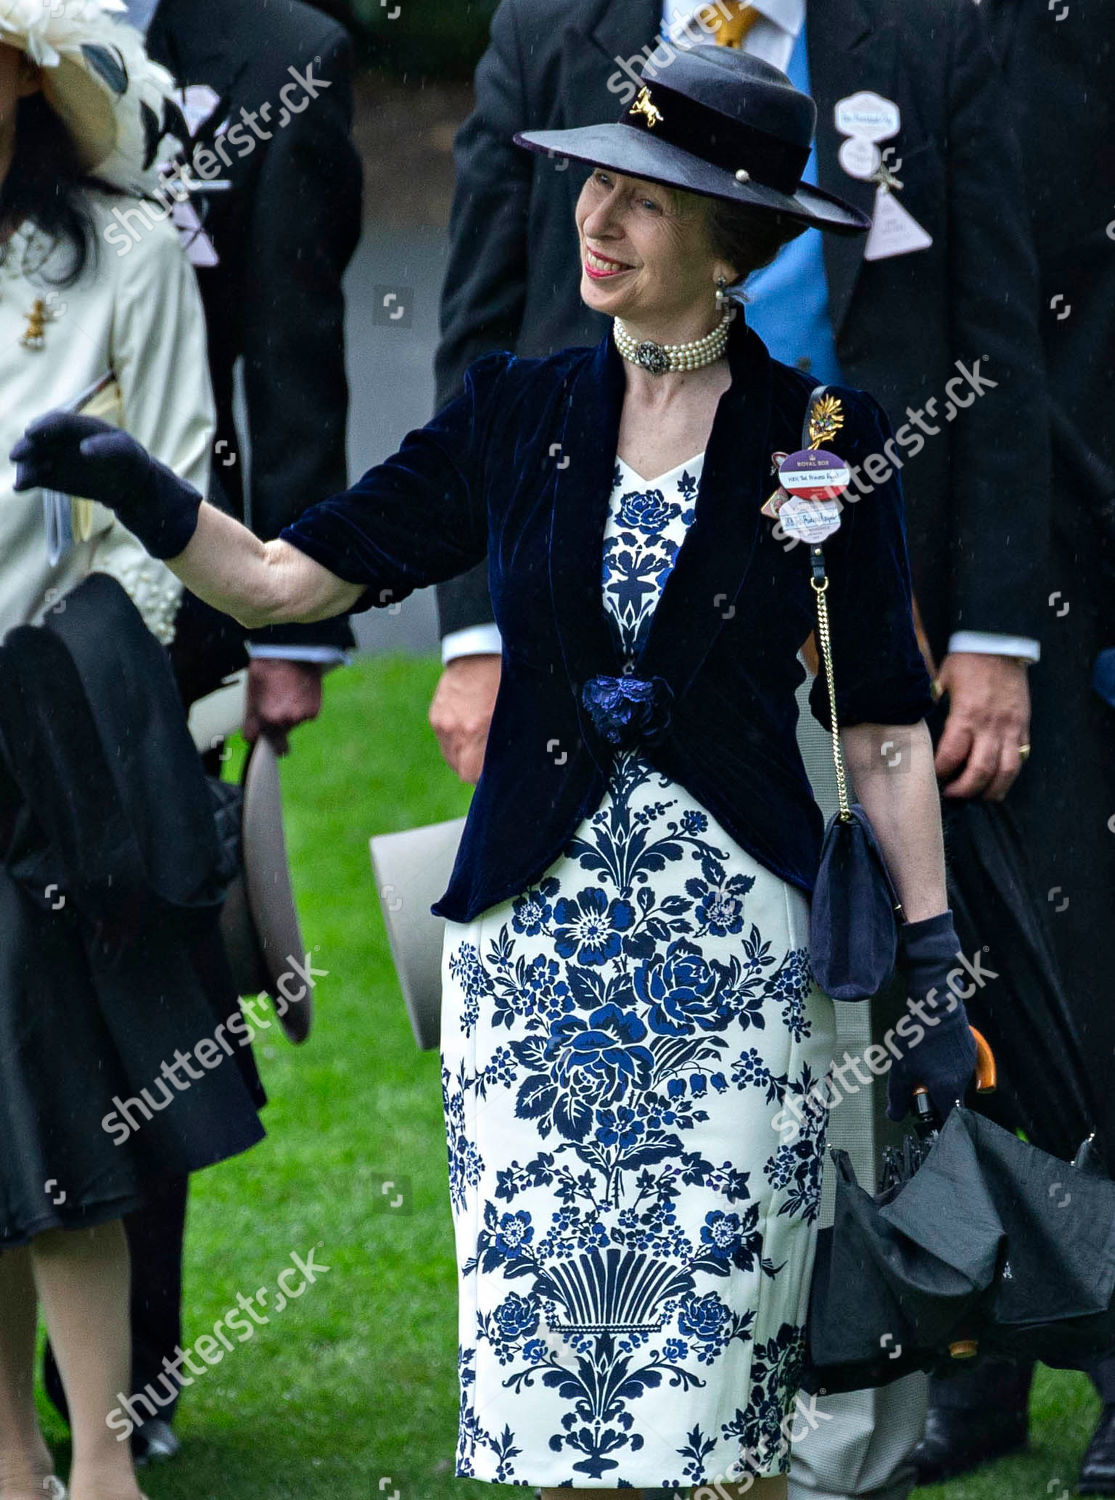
{"x": 46, "y": 184}
{"x": 748, "y": 238}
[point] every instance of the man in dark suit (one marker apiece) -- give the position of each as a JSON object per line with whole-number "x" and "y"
{"x": 1059, "y": 63}
{"x": 936, "y": 315}
{"x": 270, "y": 236}
{"x": 270, "y": 222}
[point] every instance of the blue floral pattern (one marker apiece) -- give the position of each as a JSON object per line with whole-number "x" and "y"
{"x": 634, "y": 1236}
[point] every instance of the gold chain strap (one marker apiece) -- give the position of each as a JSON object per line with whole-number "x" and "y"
{"x": 820, "y": 588}
{"x": 824, "y": 419}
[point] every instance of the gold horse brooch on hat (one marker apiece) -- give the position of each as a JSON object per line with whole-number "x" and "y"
{"x": 643, "y": 106}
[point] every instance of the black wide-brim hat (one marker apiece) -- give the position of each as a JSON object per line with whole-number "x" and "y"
{"x": 715, "y": 121}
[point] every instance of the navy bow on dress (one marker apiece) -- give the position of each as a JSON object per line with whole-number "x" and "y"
{"x": 628, "y": 710}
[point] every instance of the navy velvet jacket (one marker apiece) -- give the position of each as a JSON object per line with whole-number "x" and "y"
{"x": 521, "y": 466}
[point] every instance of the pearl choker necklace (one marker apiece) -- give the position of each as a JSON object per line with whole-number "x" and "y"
{"x": 658, "y": 358}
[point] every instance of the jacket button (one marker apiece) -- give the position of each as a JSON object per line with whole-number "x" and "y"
{"x": 628, "y": 668}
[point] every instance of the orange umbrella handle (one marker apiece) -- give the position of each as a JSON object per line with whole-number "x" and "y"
{"x": 987, "y": 1070}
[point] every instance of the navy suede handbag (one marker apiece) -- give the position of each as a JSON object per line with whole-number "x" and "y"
{"x": 853, "y": 931}
{"x": 853, "y": 923}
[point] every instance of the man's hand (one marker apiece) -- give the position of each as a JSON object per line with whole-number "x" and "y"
{"x": 281, "y": 695}
{"x": 461, "y": 712}
{"x": 989, "y": 718}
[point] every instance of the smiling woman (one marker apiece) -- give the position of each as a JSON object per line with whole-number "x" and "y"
{"x": 622, "y": 221}
{"x": 746, "y": 239}
{"x": 628, "y": 1002}
{"x": 647, "y": 250}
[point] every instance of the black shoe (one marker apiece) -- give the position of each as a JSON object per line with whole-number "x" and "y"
{"x": 957, "y": 1441}
{"x": 153, "y": 1443}
{"x": 1097, "y": 1471}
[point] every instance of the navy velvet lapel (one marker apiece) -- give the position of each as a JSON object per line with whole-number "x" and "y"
{"x": 708, "y": 574}
{"x": 707, "y": 578}
{"x": 585, "y": 464}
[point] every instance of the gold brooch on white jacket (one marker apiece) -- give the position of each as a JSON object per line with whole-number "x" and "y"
{"x": 34, "y": 335}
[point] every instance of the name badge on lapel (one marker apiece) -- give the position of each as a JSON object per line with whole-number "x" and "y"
{"x": 865, "y": 119}
{"x": 813, "y": 474}
{"x": 859, "y": 158}
{"x": 867, "y": 116}
{"x": 814, "y": 481}
{"x": 806, "y": 503}
{"x": 809, "y": 520}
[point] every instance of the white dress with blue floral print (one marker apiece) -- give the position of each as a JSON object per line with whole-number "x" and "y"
{"x": 634, "y": 1235}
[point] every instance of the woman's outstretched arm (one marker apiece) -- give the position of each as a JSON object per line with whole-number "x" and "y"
{"x": 415, "y": 519}
{"x": 258, "y": 583}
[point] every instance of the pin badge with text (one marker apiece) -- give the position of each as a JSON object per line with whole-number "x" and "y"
{"x": 810, "y": 481}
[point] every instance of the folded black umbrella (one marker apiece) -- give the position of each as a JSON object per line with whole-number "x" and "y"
{"x": 1024, "y": 1012}
{"x": 992, "y": 1247}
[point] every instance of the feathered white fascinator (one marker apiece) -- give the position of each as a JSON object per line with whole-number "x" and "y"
{"x": 98, "y": 79}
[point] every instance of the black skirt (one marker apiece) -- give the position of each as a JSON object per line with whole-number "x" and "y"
{"x": 124, "y": 1057}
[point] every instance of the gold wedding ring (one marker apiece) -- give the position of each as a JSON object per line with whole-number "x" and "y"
{"x": 1024, "y": 752}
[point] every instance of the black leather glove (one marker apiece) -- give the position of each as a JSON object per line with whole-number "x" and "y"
{"x": 83, "y": 456}
{"x": 943, "y": 1056}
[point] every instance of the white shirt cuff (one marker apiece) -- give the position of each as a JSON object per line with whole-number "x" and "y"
{"x": 984, "y": 642}
{"x": 474, "y": 640}
{"x": 329, "y": 656}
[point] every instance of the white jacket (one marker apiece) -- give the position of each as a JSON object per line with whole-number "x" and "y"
{"x": 138, "y": 314}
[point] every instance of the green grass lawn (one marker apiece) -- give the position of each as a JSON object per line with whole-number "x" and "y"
{"x": 350, "y": 1392}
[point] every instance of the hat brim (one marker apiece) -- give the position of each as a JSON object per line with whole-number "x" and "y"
{"x": 636, "y": 153}
{"x": 411, "y": 871}
{"x": 269, "y": 892}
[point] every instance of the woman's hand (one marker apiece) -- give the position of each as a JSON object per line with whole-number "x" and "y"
{"x": 83, "y": 456}
{"x": 942, "y": 1062}
{"x": 938, "y": 1051}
